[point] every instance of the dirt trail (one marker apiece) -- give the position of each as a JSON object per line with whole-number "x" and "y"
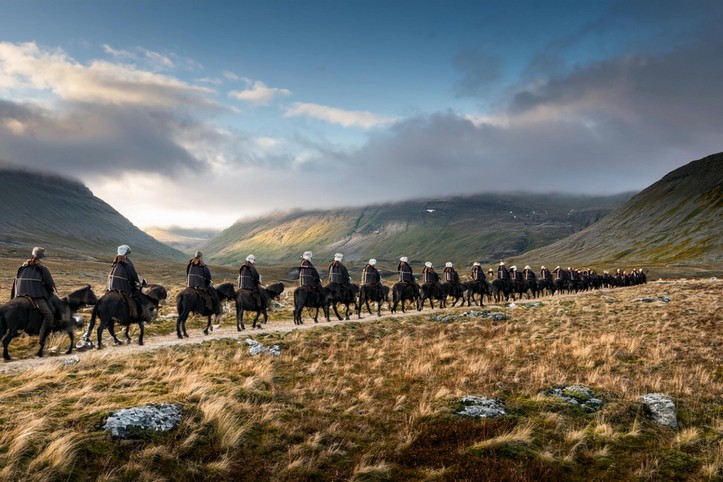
{"x": 227, "y": 330}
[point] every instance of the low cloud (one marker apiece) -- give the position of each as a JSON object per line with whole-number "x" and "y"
{"x": 333, "y": 115}
{"x": 259, "y": 93}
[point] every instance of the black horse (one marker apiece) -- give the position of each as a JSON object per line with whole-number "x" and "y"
{"x": 376, "y": 294}
{"x": 21, "y": 314}
{"x": 432, "y": 291}
{"x": 247, "y": 300}
{"x": 501, "y": 288}
{"x": 403, "y": 292}
{"x": 481, "y": 288}
{"x": 455, "y": 290}
{"x": 114, "y": 306}
{"x": 345, "y": 295}
{"x": 305, "y": 296}
{"x": 157, "y": 292}
{"x": 191, "y": 300}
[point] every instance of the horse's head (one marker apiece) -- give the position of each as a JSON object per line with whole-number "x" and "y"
{"x": 149, "y": 307}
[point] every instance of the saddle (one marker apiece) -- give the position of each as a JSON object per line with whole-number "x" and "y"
{"x": 130, "y": 302}
{"x": 206, "y": 297}
{"x": 255, "y": 295}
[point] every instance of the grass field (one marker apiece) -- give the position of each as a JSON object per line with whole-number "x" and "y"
{"x": 375, "y": 400}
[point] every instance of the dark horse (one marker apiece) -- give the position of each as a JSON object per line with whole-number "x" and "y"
{"x": 376, "y": 294}
{"x": 455, "y": 290}
{"x": 305, "y": 296}
{"x": 403, "y": 292}
{"x": 345, "y": 295}
{"x": 20, "y": 314}
{"x": 431, "y": 292}
{"x": 191, "y": 300}
{"x": 481, "y": 287}
{"x": 501, "y": 287}
{"x": 247, "y": 300}
{"x": 112, "y": 307}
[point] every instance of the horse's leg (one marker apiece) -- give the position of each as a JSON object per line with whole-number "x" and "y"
{"x": 69, "y": 331}
{"x": 44, "y": 332}
{"x": 101, "y": 327}
{"x": 208, "y": 325}
{"x": 142, "y": 325}
{"x": 181, "y": 321}
{"x": 7, "y": 338}
{"x": 359, "y": 305}
{"x": 258, "y": 313}
{"x": 240, "y": 318}
{"x": 316, "y": 315}
{"x": 336, "y": 311}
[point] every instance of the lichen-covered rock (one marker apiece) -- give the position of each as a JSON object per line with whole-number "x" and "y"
{"x": 480, "y": 407}
{"x": 493, "y": 315}
{"x": 256, "y": 348}
{"x": 130, "y": 422}
{"x": 661, "y": 409}
{"x": 578, "y": 395}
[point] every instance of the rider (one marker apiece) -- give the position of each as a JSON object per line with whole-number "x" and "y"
{"x": 478, "y": 273}
{"x": 405, "y": 271}
{"x": 123, "y": 278}
{"x": 339, "y": 274}
{"x": 450, "y": 274}
{"x": 429, "y": 275}
{"x": 502, "y": 272}
{"x": 308, "y": 275}
{"x": 370, "y": 275}
{"x": 249, "y": 279}
{"x": 545, "y": 273}
{"x": 34, "y": 280}
{"x": 198, "y": 277}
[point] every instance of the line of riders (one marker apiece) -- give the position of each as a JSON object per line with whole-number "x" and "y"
{"x": 498, "y": 285}
{"x": 36, "y": 309}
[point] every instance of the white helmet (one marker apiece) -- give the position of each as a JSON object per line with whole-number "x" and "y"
{"x": 39, "y": 252}
{"x": 306, "y": 255}
{"x": 124, "y": 250}
{"x": 338, "y": 257}
{"x": 428, "y": 264}
{"x": 372, "y": 262}
{"x": 404, "y": 259}
{"x": 476, "y": 263}
{"x": 527, "y": 267}
{"x": 448, "y": 264}
{"x": 251, "y": 258}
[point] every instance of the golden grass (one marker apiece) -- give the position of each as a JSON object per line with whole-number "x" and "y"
{"x": 374, "y": 401}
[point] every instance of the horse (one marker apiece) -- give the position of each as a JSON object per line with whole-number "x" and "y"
{"x": 20, "y": 313}
{"x": 500, "y": 287}
{"x": 431, "y": 291}
{"x": 114, "y": 306}
{"x": 341, "y": 294}
{"x": 403, "y": 292}
{"x": 455, "y": 290}
{"x": 481, "y": 287}
{"x": 247, "y": 300}
{"x": 376, "y": 294}
{"x": 305, "y": 296}
{"x": 190, "y": 300}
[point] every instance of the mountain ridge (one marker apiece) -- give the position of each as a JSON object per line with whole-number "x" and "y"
{"x": 66, "y": 218}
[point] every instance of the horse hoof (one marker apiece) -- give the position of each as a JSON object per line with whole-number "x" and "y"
{"x": 205, "y": 332}
{"x": 140, "y": 343}
{"x": 185, "y": 335}
{"x": 68, "y": 352}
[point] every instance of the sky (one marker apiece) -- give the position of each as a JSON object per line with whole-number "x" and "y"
{"x": 196, "y": 114}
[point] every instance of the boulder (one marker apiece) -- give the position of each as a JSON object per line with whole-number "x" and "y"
{"x": 578, "y": 395}
{"x": 256, "y": 348}
{"x": 131, "y": 422}
{"x": 493, "y": 315}
{"x": 480, "y": 407}
{"x": 661, "y": 408}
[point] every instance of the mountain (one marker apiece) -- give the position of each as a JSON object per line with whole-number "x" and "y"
{"x": 182, "y": 239}
{"x": 463, "y": 229}
{"x": 674, "y": 223}
{"x": 67, "y": 219}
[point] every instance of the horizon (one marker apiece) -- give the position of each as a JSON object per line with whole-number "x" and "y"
{"x": 220, "y": 111}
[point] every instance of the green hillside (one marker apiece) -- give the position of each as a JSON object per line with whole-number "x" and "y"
{"x": 67, "y": 219}
{"x": 461, "y": 229}
{"x": 674, "y": 224}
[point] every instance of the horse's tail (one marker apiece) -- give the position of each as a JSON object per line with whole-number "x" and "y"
{"x": 3, "y": 323}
